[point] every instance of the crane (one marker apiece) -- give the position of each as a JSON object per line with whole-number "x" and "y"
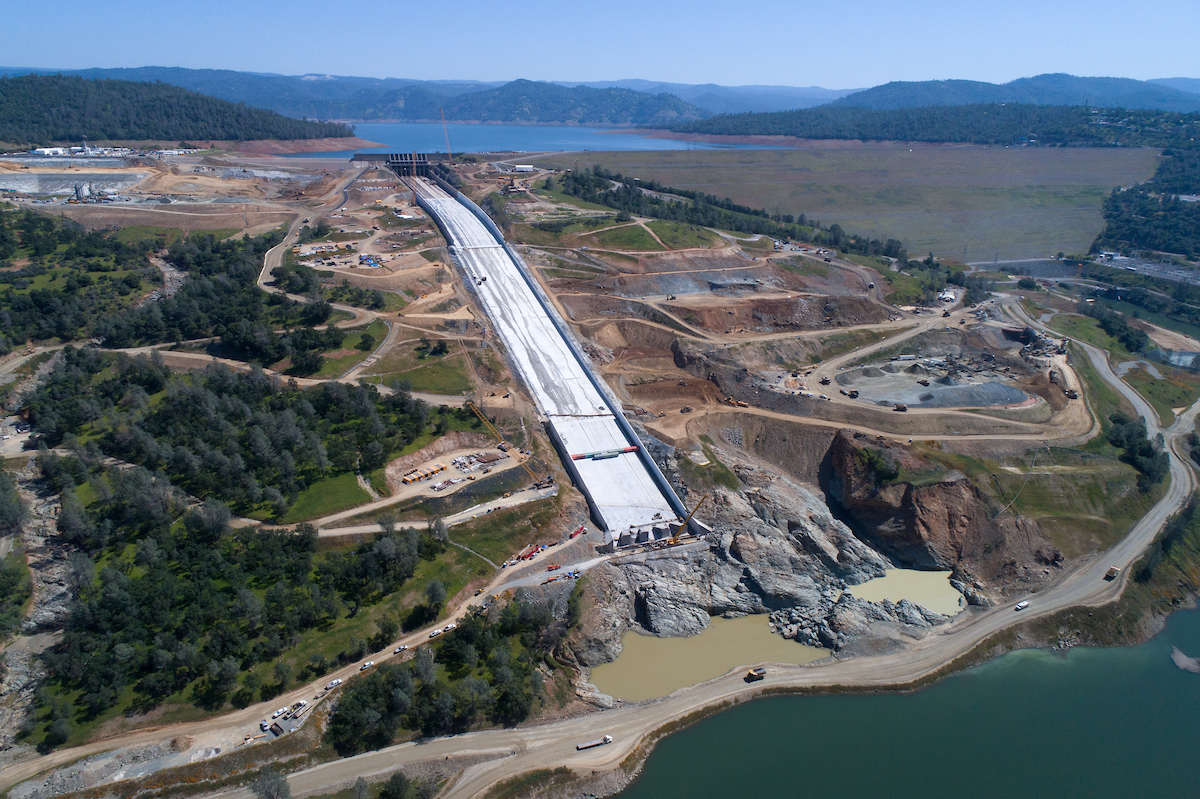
{"x": 683, "y": 527}
{"x": 492, "y": 429}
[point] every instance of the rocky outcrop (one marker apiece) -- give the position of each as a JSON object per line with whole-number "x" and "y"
{"x": 46, "y": 555}
{"x": 774, "y": 548}
{"x": 833, "y": 621}
{"x": 944, "y": 522}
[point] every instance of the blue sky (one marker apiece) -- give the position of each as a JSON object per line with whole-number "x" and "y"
{"x": 852, "y": 43}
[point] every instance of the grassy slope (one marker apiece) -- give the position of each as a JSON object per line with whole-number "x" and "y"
{"x": 678, "y": 236}
{"x": 629, "y": 237}
{"x": 995, "y": 202}
{"x": 1177, "y": 389}
{"x": 1087, "y": 503}
{"x": 333, "y": 367}
{"x": 326, "y": 496}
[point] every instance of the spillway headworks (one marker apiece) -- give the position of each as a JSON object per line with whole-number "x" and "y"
{"x": 629, "y": 499}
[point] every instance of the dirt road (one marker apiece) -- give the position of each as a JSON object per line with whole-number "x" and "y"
{"x": 552, "y": 745}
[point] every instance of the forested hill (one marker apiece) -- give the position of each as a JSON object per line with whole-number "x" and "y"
{"x": 518, "y": 101}
{"x": 529, "y": 101}
{"x": 330, "y": 97}
{"x": 39, "y": 109}
{"x": 1056, "y": 89}
{"x": 1010, "y": 124}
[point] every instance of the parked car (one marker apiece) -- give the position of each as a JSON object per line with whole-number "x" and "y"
{"x": 399, "y": 649}
{"x": 279, "y": 712}
{"x": 366, "y": 665}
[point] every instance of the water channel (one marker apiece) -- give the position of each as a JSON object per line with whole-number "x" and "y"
{"x": 1032, "y": 724}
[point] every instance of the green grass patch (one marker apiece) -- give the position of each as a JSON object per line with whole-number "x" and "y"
{"x": 1177, "y": 389}
{"x": 802, "y": 266}
{"x": 627, "y": 237}
{"x": 566, "y": 199}
{"x": 749, "y": 241}
{"x": 326, "y": 496}
{"x": 1102, "y": 399}
{"x": 879, "y": 264}
{"x": 16, "y": 588}
{"x": 712, "y": 473}
{"x": 447, "y": 376}
{"x": 966, "y": 203}
{"x": 528, "y": 234}
{"x": 498, "y": 536}
{"x": 678, "y": 236}
{"x": 335, "y": 367}
{"x": 1088, "y": 330}
{"x": 30, "y": 366}
{"x": 1154, "y": 318}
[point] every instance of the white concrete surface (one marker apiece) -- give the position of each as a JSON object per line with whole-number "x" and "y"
{"x": 621, "y": 488}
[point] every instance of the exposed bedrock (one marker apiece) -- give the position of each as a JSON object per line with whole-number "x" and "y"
{"x": 942, "y": 523}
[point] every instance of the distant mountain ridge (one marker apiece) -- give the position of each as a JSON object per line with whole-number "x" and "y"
{"x": 731, "y": 99}
{"x": 1190, "y": 85}
{"x": 624, "y": 102}
{"x": 40, "y": 109}
{"x": 374, "y": 99}
{"x": 1051, "y": 89}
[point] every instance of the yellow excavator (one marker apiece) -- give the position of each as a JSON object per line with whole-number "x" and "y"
{"x": 683, "y": 527}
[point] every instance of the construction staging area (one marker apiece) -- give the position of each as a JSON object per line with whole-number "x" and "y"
{"x": 628, "y": 498}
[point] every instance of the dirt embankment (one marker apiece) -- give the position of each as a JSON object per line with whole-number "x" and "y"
{"x": 276, "y": 147}
{"x": 195, "y": 217}
{"x": 768, "y": 315}
{"x": 447, "y": 443}
{"x": 940, "y": 522}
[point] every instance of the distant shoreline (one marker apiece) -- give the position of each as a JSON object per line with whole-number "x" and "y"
{"x": 793, "y": 142}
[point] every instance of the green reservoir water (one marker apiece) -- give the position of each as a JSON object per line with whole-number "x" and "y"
{"x": 1090, "y": 722}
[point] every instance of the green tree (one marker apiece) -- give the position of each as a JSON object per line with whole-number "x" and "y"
{"x": 270, "y": 784}
{"x": 435, "y": 593}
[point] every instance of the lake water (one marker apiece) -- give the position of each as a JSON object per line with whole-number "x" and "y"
{"x": 428, "y": 137}
{"x": 1031, "y": 724}
{"x": 649, "y": 667}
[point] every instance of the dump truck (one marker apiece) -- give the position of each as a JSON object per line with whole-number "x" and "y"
{"x": 607, "y": 739}
{"x": 756, "y": 674}
{"x": 853, "y": 393}
{"x": 900, "y": 406}
{"x": 1112, "y": 573}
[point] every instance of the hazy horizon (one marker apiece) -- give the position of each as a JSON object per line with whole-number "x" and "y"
{"x": 858, "y": 44}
